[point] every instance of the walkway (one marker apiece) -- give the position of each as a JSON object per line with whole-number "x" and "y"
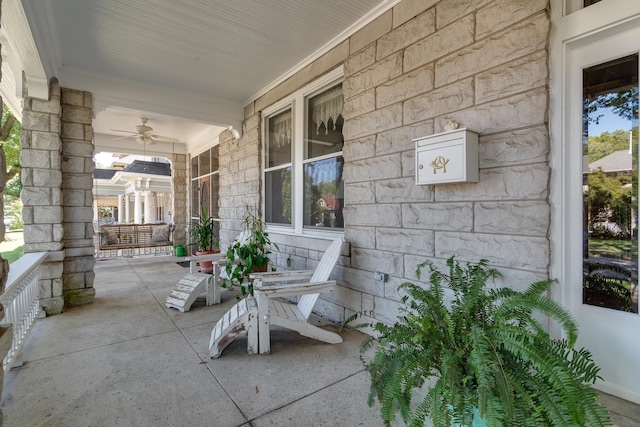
{"x": 126, "y": 360}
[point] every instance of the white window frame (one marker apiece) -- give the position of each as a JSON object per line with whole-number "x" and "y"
{"x": 572, "y": 31}
{"x": 296, "y": 101}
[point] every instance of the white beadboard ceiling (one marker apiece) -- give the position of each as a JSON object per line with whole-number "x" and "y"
{"x": 184, "y": 64}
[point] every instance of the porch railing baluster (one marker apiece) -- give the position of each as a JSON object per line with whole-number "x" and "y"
{"x": 20, "y": 302}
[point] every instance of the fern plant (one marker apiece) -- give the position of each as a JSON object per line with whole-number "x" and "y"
{"x": 481, "y": 351}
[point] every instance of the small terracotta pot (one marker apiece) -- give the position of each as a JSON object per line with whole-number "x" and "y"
{"x": 206, "y": 266}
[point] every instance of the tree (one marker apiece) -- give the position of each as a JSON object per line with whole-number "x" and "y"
{"x": 608, "y": 199}
{"x": 607, "y": 143}
{"x": 10, "y": 140}
{"x": 10, "y": 184}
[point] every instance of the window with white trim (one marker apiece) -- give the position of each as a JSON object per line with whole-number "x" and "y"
{"x": 205, "y": 186}
{"x": 303, "y": 187}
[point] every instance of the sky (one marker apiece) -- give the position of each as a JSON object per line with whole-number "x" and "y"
{"x": 608, "y": 123}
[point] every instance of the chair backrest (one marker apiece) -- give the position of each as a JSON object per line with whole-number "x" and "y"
{"x": 322, "y": 273}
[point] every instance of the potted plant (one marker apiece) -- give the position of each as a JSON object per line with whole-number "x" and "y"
{"x": 203, "y": 234}
{"x": 248, "y": 255}
{"x": 481, "y": 356}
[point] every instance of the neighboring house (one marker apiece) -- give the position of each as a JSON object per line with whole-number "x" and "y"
{"x": 342, "y": 122}
{"x": 619, "y": 161}
{"x": 140, "y": 192}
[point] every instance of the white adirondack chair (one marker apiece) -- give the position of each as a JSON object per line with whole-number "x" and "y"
{"x": 254, "y": 315}
{"x": 194, "y": 284}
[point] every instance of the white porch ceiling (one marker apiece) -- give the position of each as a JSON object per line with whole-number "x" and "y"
{"x": 185, "y": 65}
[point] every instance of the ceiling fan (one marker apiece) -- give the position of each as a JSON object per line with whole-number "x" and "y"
{"x": 145, "y": 134}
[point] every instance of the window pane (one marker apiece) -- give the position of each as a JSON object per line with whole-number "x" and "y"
{"x": 215, "y": 158}
{"x": 324, "y": 193}
{"x": 195, "y": 199}
{"x": 279, "y": 139}
{"x": 194, "y": 167}
{"x": 215, "y": 194}
{"x": 324, "y": 123}
{"x": 204, "y": 163}
{"x": 205, "y": 196}
{"x": 278, "y": 196}
{"x": 610, "y": 184}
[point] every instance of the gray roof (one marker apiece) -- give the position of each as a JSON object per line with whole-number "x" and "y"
{"x": 618, "y": 161}
{"x": 150, "y": 168}
{"x": 104, "y": 173}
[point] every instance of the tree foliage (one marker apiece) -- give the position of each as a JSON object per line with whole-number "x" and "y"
{"x": 10, "y": 140}
{"x": 624, "y": 103}
{"x": 607, "y": 143}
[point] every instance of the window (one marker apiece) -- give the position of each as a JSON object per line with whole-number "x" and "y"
{"x": 205, "y": 185}
{"x": 610, "y": 189}
{"x": 303, "y": 141}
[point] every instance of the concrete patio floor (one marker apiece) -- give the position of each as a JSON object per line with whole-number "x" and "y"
{"x": 126, "y": 360}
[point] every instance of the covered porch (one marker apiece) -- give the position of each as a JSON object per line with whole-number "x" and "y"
{"x": 128, "y": 360}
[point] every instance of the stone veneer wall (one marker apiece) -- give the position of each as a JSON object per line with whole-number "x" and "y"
{"x": 42, "y": 192}
{"x": 57, "y": 166}
{"x": 484, "y": 65}
{"x": 240, "y": 177}
{"x": 181, "y": 188}
{"x": 77, "y": 196}
{"x": 480, "y": 63}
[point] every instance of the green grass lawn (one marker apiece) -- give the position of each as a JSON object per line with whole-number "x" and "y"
{"x": 11, "y": 248}
{"x": 622, "y": 249}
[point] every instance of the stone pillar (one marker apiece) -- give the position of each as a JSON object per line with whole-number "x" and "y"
{"x": 77, "y": 184}
{"x": 42, "y": 192}
{"x": 120, "y": 208}
{"x": 179, "y": 188}
{"x": 240, "y": 185}
{"x": 137, "y": 207}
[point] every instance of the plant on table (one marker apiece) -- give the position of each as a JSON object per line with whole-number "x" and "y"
{"x": 248, "y": 255}
{"x": 203, "y": 235}
{"x": 481, "y": 356}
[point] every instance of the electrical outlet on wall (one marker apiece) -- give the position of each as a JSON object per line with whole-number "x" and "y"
{"x": 380, "y": 277}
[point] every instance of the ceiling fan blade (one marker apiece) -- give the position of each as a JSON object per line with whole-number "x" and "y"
{"x": 154, "y": 135}
{"x": 165, "y": 138}
{"x": 123, "y": 137}
{"x": 126, "y": 131}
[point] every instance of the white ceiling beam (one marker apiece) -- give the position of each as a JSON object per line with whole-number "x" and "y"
{"x": 16, "y": 33}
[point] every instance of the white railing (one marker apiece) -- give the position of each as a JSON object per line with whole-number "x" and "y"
{"x": 20, "y": 302}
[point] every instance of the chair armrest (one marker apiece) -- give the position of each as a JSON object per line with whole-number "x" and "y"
{"x": 293, "y": 289}
{"x": 214, "y": 257}
{"x": 282, "y": 276}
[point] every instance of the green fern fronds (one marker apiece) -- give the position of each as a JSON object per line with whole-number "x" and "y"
{"x": 481, "y": 353}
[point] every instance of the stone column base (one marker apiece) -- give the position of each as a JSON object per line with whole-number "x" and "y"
{"x": 78, "y": 296}
{"x": 53, "y": 305}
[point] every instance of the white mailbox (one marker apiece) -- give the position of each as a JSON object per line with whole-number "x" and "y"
{"x": 447, "y": 157}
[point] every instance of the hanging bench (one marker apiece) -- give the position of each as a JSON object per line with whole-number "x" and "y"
{"x": 130, "y": 236}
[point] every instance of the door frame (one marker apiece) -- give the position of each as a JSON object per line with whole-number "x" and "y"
{"x": 589, "y": 36}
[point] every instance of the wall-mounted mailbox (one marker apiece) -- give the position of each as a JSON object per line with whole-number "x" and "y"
{"x": 447, "y": 157}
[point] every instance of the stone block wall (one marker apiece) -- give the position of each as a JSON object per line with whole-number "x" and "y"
{"x": 42, "y": 213}
{"x": 480, "y": 63}
{"x": 484, "y": 65}
{"x": 181, "y": 188}
{"x": 240, "y": 177}
{"x": 77, "y": 197}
